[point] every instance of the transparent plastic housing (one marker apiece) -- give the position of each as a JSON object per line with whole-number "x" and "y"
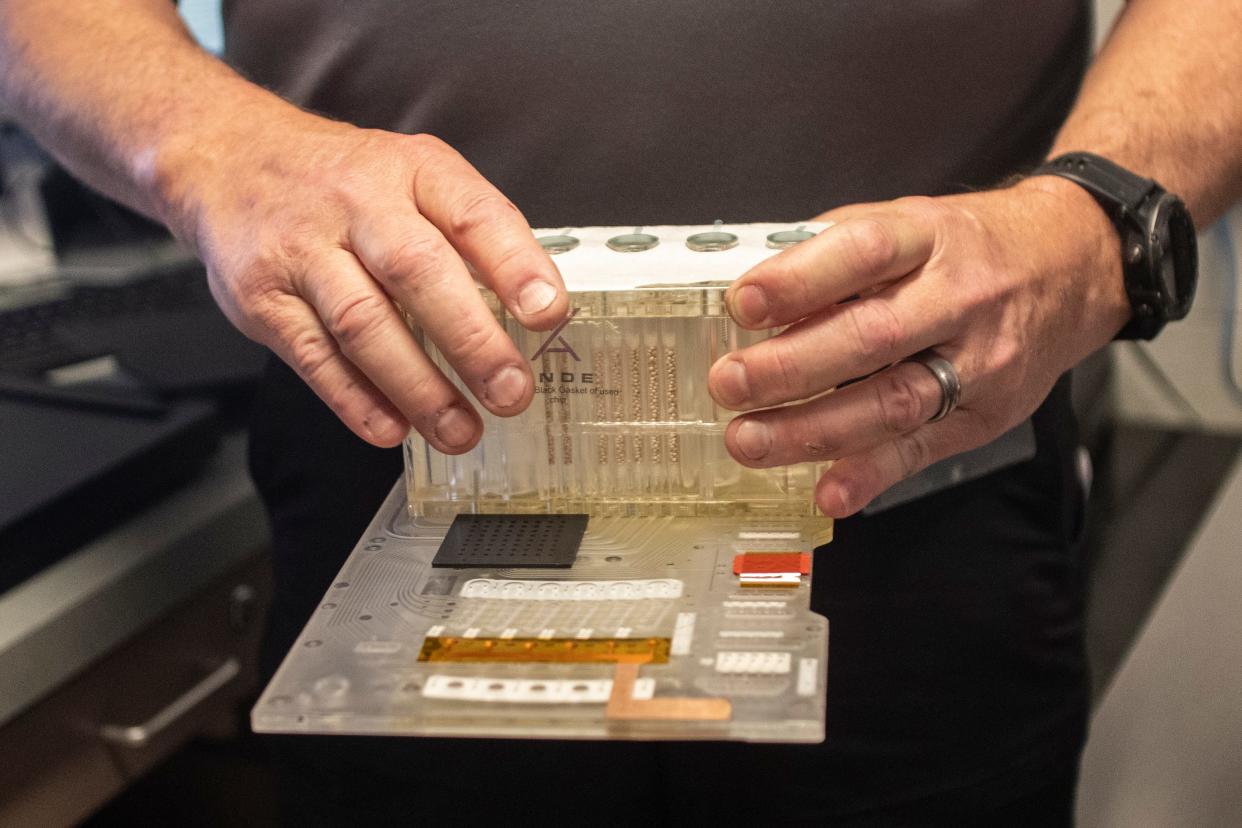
{"x": 621, "y": 423}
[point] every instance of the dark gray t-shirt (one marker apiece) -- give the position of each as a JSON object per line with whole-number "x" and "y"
{"x": 645, "y": 112}
{"x": 957, "y": 619}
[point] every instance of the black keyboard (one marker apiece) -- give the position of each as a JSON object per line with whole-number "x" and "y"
{"x": 31, "y": 340}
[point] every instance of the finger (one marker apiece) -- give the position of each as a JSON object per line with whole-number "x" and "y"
{"x": 418, "y": 268}
{"x": 370, "y": 332}
{"x": 855, "y": 481}
{"x": 858, "y": 253}
{"x": 294, "y": 332}
{"x": 492, "y": 235}
{"x": 852, "y": 419}
{"x": 845, "y": 342}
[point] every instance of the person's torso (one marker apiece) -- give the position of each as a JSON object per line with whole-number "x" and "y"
{"x": 957, "y": 658}
{"x": 644, "y": 112}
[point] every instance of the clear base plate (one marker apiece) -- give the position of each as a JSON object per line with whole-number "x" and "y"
{"x": 650, "y": 635}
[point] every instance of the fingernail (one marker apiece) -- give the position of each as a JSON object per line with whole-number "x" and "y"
{"x": 754, "y": 439}
{"x": 835, "y": 497}
{"x": 536, "y": 296}
{"x": 384, "y": 427}
{"x": 506, "y": 387}
{"x": 731, "y": 384}
{"x": 750, "y": 305}
{"x": 454, "y": 427}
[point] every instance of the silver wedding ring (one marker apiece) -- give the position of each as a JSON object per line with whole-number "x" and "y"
{"x": 946, "y": 375}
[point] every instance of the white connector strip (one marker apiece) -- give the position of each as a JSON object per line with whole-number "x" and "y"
{"x": 808, "y": 676}
{"x": 528, "y": 691}
{"x": 770, "y": 579}
{"x": 683, "y": 634}
{"x": 753, "y": 535}
{"x": 497, "y": 589}
{"x": 742, "y": 661}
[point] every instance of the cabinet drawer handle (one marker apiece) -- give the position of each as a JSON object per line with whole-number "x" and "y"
{"x": 136, "y": 736}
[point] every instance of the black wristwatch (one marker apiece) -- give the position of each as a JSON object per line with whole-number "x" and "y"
{"x": 1159, "y": 256}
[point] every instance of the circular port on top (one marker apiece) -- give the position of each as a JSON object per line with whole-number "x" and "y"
{"x": 788, "y": 238}
{"x": 557, "y": 244}
{"x": 711, "y": 241}
{"x": 632, "y": 242}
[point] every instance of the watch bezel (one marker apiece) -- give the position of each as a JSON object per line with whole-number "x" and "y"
{"x": 1170, "y": 230}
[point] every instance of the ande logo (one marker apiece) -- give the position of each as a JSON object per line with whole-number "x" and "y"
{"x": 550, "y": 345}
{"x": 557, "y": 344}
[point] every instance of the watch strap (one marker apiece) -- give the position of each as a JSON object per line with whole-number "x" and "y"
{"x": 1113, "y": 186}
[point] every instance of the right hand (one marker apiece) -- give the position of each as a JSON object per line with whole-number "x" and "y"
{"x": 311, "y": 229}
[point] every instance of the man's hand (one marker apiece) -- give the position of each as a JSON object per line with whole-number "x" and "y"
{"x": 1013, "y": 287}
{"x": 310, "y": 229}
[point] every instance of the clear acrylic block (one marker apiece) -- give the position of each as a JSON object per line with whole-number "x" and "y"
{"x": 621, "y": 423}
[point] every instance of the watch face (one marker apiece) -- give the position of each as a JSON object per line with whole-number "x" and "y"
{"x": 1173, "y": 234}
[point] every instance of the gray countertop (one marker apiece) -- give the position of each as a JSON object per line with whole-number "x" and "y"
{"x": 60, "y": 621}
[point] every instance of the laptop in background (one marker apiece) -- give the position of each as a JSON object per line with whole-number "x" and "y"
{"x": 112, "y": 392}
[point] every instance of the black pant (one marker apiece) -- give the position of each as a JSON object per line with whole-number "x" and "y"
{"x": 957, "y": 687}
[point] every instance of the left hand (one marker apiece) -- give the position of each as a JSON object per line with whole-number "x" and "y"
{"x": 1012, "y": 286}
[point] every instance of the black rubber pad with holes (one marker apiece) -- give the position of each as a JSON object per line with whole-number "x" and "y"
{"x": 512, "y": 541}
